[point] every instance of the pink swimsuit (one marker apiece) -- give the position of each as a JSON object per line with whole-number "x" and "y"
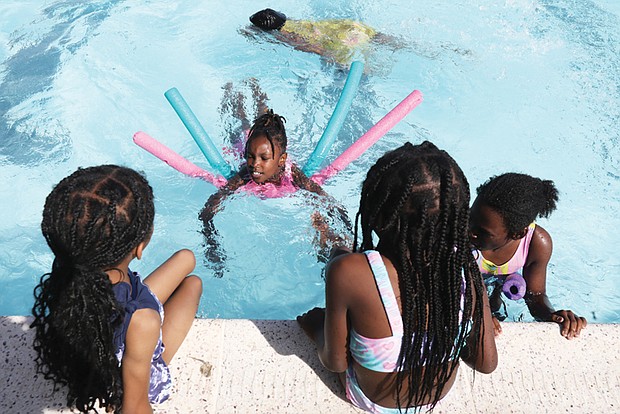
{"x": 271, "y": 190}
{"x": 516, "y": 262}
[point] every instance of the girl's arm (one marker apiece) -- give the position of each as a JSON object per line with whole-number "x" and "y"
{"x": 213, "y": 203}
{"x": 213, "y": 254}
{"x": 140, "y": 343}
{"x": 485, "y": 359}
{"x": 535, "y": 275}
{"x": 328, "y": 327}
{"x": 334, "y": 211}
{"x": 302, "y": 181}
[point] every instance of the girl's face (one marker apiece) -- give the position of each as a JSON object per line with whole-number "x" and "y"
{"x": 264, "y": 164}
{"x": 486, "y": 228}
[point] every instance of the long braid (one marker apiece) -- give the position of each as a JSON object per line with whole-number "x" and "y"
{"x": 91, "y": 222}
{"x": 416, "y": 199}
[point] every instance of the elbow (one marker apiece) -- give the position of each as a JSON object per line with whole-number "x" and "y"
{"x": 488, "y": 367}
{"x": 483, "y": 360}
{"x": 337, "y": 368}
{"x": 334, "y": 364}
{"x": 487, "y": 363}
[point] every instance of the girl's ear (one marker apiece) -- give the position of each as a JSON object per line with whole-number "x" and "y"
{"x": 139, "y": 249}
{"x": 282, "y": 159}
{"x": 520, "y": 234}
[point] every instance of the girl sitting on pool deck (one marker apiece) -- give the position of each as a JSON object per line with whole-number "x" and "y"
{"x": 99, "y": 329}
{"x": 400, "y": 316}
{"x": 503, "y": 231}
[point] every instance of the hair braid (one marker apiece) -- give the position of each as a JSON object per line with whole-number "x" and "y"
{"x": 91, "y": 222}
{"x": 270, "y": 126}
{"x": 416, "y": 199}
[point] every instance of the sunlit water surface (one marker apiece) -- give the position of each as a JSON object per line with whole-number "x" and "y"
{"x": 526, "y": 86}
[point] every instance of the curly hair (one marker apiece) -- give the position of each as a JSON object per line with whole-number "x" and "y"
{"x": 91, "y": 221}
{"x": 271, "y": 126}
{"x": 518, "y": 198}
{"x": 416, "y": 200}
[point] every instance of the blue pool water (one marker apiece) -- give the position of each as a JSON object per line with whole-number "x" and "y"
{"x": 521, "y": 85}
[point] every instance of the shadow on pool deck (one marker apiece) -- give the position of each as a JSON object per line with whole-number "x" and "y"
{"x": 242, "y": 366}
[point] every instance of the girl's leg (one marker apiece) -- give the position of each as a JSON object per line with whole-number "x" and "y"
{"x": 179, "y": 313}
{"x": 164, "y": 280}
{"x": 260, "y": 97}
{"x": 180, "y": 295}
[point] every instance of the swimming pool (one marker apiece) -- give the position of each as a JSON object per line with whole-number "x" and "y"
{"x": 527, "y": 86}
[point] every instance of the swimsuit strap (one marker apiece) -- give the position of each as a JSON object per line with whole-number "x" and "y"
{"x": 386, "y": 292}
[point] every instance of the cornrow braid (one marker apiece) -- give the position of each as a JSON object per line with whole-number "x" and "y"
{"x": 518, "y": 198}
{"x": 416, "y": 199}
{"x": 271, "y": 126}
{"x": 91, "y": 221}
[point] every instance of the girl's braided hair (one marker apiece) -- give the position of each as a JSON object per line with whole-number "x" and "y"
{"x": 271, "y": 126}
{"x": 91, "y": 221}
{"x": 416, "y": 200}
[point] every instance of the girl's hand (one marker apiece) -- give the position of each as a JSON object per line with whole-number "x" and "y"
{"x": 312, "y": 322}
{"x": 570, "y": 324}
{"x": 497, "y": 328}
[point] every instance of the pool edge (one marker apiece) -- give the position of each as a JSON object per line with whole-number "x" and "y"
{"x": 241, "y": 366}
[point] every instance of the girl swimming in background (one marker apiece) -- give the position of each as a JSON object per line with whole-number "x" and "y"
{"x": 99, "y": 329}
{"x": 335, "y": 39}
{"x": 266, "y": 172}
{"x": 400, "y": 315}
{"x": 507, "y": 241}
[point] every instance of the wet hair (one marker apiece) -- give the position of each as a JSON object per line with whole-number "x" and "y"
{"x": 518, "y": 198}
{"x": 268, "y": 19}
{"x": 92, "y": 220}
{"x": 271, "y": 126}
{"x": 416, "y": 199}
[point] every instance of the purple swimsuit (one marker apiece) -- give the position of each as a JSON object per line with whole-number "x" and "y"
{"x": 134, "y": 297}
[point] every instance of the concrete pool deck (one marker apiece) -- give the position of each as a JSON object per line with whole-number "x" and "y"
{"x": 245, "y": 366}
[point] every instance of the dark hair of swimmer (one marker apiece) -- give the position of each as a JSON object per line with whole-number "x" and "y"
{"x": 268, "y": 19}
{"x": 270, "y": 126}
{"x": 518, "y": 198}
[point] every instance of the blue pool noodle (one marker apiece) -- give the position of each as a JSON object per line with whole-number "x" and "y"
{"x": 335, "y": 122}
{"x": 198, "y": 132}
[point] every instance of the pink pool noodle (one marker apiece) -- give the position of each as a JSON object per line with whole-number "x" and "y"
{"x": 370, "y": 137}
{"x": 175, "y": 160}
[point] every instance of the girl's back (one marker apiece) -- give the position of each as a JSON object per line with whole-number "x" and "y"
{"x": 396, "y": 310}
{"x": 369, "y": 319}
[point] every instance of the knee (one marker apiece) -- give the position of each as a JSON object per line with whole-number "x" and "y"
{"x": 194, "y": 284}
{"x": 186, "y": 257}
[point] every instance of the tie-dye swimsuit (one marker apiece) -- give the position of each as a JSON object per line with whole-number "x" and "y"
{"x": 380, "y": 354}
{"x": 131, "y": 298}
{"x": 376, "y": 354}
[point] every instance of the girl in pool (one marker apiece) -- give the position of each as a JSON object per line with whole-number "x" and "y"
{"x": 338, "y": 40}
{"x": 99, "y": 329}
{"x": 400, "y": 315}
{"x": 508, "y": 241}
{"x": 266, "y": 172}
